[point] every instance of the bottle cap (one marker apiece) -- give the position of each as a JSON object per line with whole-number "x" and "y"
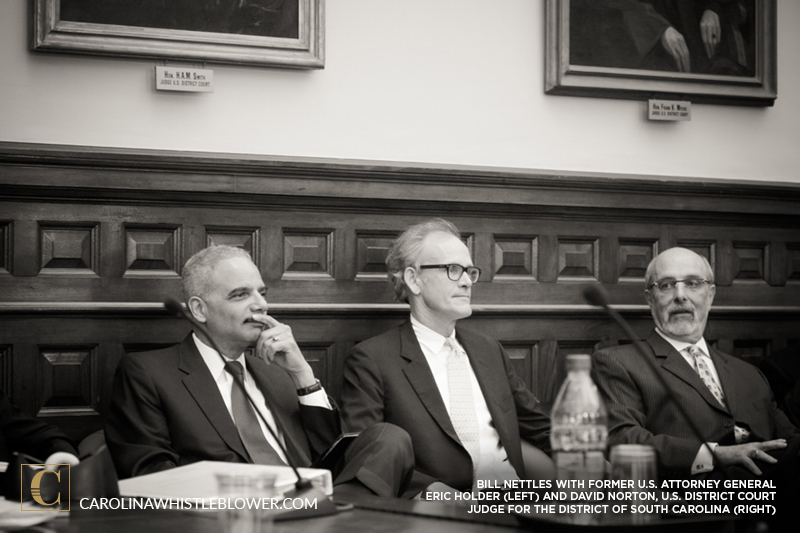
{"x": 579, "y": 361}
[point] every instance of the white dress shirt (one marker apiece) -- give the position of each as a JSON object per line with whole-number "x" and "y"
{"x": 224, "y": 381}
{"x": 703, "y": 461}
{"x": 493, "y": 464}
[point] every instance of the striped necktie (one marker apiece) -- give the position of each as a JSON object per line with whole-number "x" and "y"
{"x": 256, "y": 444}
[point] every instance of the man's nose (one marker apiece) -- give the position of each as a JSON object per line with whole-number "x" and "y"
{"x": 465, "y": 280}
{"x": 680, "y": 292}
{"x": 260, "y": 303}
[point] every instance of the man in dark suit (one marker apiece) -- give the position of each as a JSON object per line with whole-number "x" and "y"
{"x": 728, "y": 399}
{"x": 452, "y": 389}
{"x": 183, "y": 404}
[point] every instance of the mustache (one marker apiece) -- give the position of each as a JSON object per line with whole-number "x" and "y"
{"x": 677, "y": 310}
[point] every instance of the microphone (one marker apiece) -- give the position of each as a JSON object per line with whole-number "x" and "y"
{"x": 303, "y": 488}
{"x": 598, "y": 296}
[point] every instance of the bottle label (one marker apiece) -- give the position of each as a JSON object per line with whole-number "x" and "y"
{"x": 591, "y": 461}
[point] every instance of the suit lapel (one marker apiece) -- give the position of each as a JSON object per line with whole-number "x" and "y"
{"x": 419, "y": 375}
{"x": 491, "y": 378}
{"x": 204, "y": 390}
{"x": 673, "y": 362}
{"x": 266, "y": 380}
{"x": 727, "y": 378}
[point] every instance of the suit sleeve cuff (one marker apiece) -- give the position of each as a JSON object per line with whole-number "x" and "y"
{"x": 316, "y": 399}
{"x": 704, "y": 461}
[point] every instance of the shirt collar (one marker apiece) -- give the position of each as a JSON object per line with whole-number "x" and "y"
{"x": 428, "y": 338}
{"x": 213, "y": 360}
{"x": 680, "y": 346}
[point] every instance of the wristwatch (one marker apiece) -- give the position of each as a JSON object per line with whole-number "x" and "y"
{"x": 305, "y": 391}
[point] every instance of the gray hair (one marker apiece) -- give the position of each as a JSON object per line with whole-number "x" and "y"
{"x": 651, "y": 268}
{"x": 197, "y": 270}
{"x": 406, "y": 249}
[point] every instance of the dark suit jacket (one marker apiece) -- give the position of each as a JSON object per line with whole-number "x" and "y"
{"x": 387, "y": 379}
{"x": 640, "y": 411}
{"x": 28, "y": 435}
{"x": 166, "y": 411}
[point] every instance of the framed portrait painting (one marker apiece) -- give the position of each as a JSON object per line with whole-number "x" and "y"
{"x": 706, "y": 51}
{"x": 269, "y": 33}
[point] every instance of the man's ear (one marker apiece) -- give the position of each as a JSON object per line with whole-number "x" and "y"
{"x": 411, "y": 280}
{"x": 712, "y": 291}
{"x": 648, "y": 296}
{"x": 197, "y": 307}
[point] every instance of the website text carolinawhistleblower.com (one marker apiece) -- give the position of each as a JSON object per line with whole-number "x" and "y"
{"x": 200, "y": 504}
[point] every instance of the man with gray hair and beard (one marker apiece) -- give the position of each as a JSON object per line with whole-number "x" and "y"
{"x": 452, "y": 389}
{"x": 190, "y": 402}
{"x": 728, "y": 399}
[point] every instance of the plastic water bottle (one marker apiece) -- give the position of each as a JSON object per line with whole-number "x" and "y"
{"x": 579, "y": 432}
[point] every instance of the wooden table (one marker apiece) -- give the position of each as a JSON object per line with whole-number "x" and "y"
{"x": 395, "y": 516}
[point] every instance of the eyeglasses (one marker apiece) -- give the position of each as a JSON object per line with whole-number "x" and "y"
{"x": 454, "y": 272}
{"x": 669, "y": 284}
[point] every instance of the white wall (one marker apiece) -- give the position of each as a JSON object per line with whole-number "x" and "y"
{"x": 432, "y": 81}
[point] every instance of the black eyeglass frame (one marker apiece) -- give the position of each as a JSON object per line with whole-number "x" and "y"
{"x": 447, "y": 267}
{"x": 674, "y": 284}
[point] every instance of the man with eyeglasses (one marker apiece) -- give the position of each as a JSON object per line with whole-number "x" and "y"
{"x": 452, "y": 389}
{"x": 729, "y": 400}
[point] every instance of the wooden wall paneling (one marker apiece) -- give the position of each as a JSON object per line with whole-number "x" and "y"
{"x": 525, "y": 359}
{"x": 247, "y": 238}
{"x": 708, "y": 249}
{"x": 752, "y": 350}
{"x": 26, "y": 257}
{"x": 793, "y": 261}
{"x": 578, "y": 258}
{"x": 344, "y": 249}
{"x": 751, "y": 261}
{"x": 515, "y": 258}
{"x": 547, "y": 374}
{"x": 69, "y": 249}
{"x": 153, "y": 251}
{"x": 778, "y": 264}
{"x": 272, "y": 254}
{"x": 633, "y": 256}
{"x": 112, "y": 246}
{"x": 308, "y": 253}
{"x": 319, "y": 231}
{"x": 371, "y": 249}
{"x": 6, "y": 368}
{"x": 5, "y": 246}
{"x": 66, "y": 379}
{"x": 548, "y": 258}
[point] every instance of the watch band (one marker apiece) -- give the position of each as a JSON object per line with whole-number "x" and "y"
{"x": 305, "y": 391}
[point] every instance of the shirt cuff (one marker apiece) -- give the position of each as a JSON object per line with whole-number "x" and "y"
{"x": 316, "y": 399}
{"x": 704, "y": 461}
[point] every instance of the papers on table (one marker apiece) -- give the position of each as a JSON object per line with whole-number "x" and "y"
{"x": 13, "y": 517}
{"x": 198, "y": 480}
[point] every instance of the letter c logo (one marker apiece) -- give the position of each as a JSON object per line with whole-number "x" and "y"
{"x": 36, "y": 482}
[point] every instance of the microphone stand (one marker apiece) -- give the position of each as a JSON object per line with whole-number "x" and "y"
{"x": 597, "y": 296}
{"x": 303, "y": 488}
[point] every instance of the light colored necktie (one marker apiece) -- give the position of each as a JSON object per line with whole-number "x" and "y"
{"x": 256, "y": 444}
{"x": 705, "y": 374}
{"x": 462, "y": 406}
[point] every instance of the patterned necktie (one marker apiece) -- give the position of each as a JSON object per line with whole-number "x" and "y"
{"x": 705, "y": 374}
{"x": 260, "y": 451}
{"x": 462, "y": 406}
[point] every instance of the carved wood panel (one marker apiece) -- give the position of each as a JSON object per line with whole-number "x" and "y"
{"x": 69, "y": 250}
{"x": 79, "y": 290}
